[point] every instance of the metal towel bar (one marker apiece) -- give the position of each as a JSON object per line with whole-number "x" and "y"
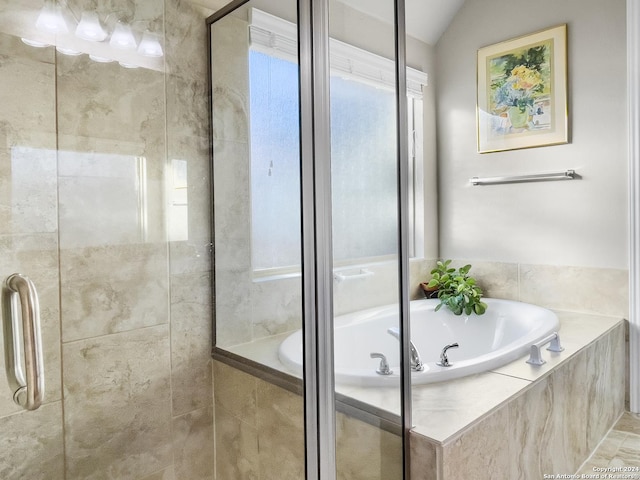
{"x": 27, "y": 391}
{"x": 538, "y": 177}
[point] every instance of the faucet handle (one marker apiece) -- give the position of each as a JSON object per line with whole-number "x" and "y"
{"x": 383, "y": 369}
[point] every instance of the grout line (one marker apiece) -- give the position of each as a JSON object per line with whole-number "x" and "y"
{"x": 597, "y": 447}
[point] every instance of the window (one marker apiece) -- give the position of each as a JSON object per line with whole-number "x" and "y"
{"x": 363, "y": 150}
{"x": 275, "y": 162}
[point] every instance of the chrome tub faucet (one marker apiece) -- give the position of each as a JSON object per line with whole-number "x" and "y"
{"x": 415, "y": 361}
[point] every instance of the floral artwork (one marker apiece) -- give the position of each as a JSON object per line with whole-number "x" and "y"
{"x": 522, "y": 92}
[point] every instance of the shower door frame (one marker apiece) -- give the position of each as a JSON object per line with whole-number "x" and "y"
{"x": 317, "y": 264}
{"x": 633, "y": 92}
{"x": 317, "y": 270}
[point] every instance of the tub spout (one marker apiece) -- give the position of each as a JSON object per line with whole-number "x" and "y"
{"x": 415, "y": 361}
{"x": 444, "y": 360}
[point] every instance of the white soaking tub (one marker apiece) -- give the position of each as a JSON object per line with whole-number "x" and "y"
{"x": 504, "y": 333}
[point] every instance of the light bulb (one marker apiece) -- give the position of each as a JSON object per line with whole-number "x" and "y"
{"x": 128, "y": 65}
{"x": 68, "y": 51}
{"x": 98, "y": 59}
{"x": 51, "y": 19}
{"x": 122, "y": 37}
{"x": 34, "y": 43}
{"x": 90, "y": 28}
{"x": 150, "y": 46}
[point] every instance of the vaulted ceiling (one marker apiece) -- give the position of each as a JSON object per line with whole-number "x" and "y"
{"x": 426, "y": 20}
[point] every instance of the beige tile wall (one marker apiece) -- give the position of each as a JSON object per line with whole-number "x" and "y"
{"x": 603, "y": 291}
{"x": 126, "y": 316}
{"x": 549, "y": 428}
{"x": 260, "y": 434}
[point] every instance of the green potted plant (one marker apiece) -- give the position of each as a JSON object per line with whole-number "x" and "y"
{"x": 456, "y": 290}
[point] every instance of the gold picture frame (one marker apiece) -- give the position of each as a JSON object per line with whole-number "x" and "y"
{"x": 522, "y": 92}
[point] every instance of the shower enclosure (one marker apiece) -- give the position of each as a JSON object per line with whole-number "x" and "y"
{"x": 317, "y": 183}
{"x": 103, "y": 206}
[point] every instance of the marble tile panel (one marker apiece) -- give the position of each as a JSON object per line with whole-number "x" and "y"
{"x": 440, "y": 410}
{"x": 97, "y": 299}
{"x": 481, "y": 452}
{"x": 281, "y": 433}
{"x": 166, "y": 474}
{"x": 237, "y": 448}
{"x": 580, "y": 289}
{"x": 193, "y": 445}
{"x": 193, "y": 155}
{"x": 276, "y": 306}
{"x": 232, "y": 308}
{"x": 233, "y": 271}
{"x": 424, "y": 458}
{"x": 187, "y": 257}
{"x": 627, "y": 454}
{"x": 629, "y": 422}
{"x": 110, "y": 194}
{"x": 97, "y": 210}
{"x": 104, "y": 100}
{"x": 188, "y": 103}
{"x": 232, "y": 185}
{"x": 35, "y": 256}
{"x": 605, "y": 385}
{"x": 230, "y": 78}
{"x": 547, "y": 424}
{"x": 28, "y": 95}
{"x": 236, "y": 392}
{"x": 12, "y": 46}
{"x": 28, "y": 186}
{"x": 31, "y": 444}
{"x": 365, "y": 452}
{"x": 118, "y": 405}
{"x": 497, "y": 279}
{"x": 356, "y": 294}
{"x": 185, "y": 39}
{"x": 233, "y": 261}
{"x": 191, "y": 330}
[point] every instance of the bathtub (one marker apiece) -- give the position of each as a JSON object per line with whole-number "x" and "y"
{"x": 503, "y": 334}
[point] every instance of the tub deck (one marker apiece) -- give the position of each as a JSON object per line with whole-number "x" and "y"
{"x": 441, "y": 411}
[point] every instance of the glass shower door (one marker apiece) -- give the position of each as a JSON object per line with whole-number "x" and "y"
{"x": 32, "y": 441}
{"x": 98, "y": 147}
{"x": 365, "y": 239}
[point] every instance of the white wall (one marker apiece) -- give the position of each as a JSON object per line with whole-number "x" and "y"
{"x": 579, "y": 223}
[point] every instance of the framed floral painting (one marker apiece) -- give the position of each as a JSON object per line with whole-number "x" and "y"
{"x": 522, "y": 92}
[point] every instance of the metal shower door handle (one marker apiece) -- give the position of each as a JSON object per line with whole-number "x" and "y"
{"x": 28, "y": 391}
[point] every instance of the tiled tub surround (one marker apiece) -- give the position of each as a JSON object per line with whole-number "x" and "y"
{"x": 525, "y": 421}
{"x": 518, "y": 421}
{"x": 259, "y": 434}
{"x": 272, "y": 308}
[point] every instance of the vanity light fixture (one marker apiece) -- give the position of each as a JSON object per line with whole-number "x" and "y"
{"x": 51, "y": 19}
{"x": 90, "y": 28}
{"x": 57, "y": 18}
{"x": 150, "y": 46}
{"x": 123, "y": 38}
